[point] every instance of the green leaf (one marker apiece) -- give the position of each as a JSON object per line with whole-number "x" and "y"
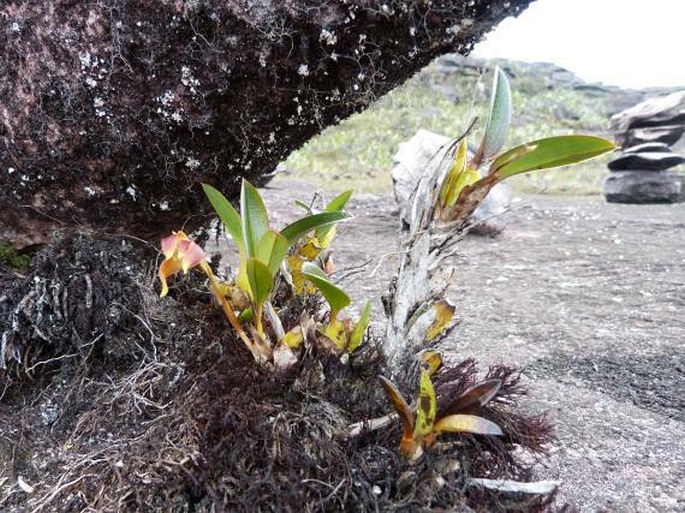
{"x": 229, "y": 216}
{"x": 499, "y": 118}
{"x": 335, "y": 296}
{"x": 325, "y": 233}
{"x": 253, "y": 216}
{"x": 426, "y": 406}
{"x": 466, "y": 424}
{"x": 548, "y": 153}
{"x": 271, "y": 250}
{"x": 295, "y": 230}
{"x": 304, "y": 206}
{"x": 261, "y": 280}
{"x": 339, "y": 202}
{"x": 457, "y": 177}
{"x": 357, "y": 334}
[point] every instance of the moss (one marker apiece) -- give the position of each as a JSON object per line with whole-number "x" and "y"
{"x": 9, "y": 256}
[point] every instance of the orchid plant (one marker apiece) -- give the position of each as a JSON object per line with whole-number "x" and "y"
{"x": 263, "y": 252}
{"x": 422, "y": 426}
{"x": 471, "y": 177}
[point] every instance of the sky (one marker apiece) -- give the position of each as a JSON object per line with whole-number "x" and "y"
{"x": 629, "y": 43}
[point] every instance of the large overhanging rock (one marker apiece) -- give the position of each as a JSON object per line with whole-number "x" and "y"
{"x": 112, "y": 113}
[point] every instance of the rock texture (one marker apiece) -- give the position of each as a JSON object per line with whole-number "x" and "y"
{"x": 112, "y": 113}
{"x": 648, "y": 161}
{"x": 640, "y": 187}
{"x": 639, "y": 175}
{"x": 660, "y": 119}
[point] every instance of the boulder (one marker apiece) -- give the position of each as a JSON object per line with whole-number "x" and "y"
{"x": 646, "y": 161}
{"x": 113, "y": 113}
{"x": 649, "y": 148}
{"x": 641, "y": 187}
{"x": 659, "y": 119}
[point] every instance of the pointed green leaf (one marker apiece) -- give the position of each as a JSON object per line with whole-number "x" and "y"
{"x": 295, "y": 230}
{"x": 426, "y": 406}
{"x": 271, "y": 250}
{"x": 339, "y": 202}
{"x": 548, "y": 153}
{"x": 458, "y": 176}
{"x": 325, "y": 233}
{"x": 304, "y": 206}
{"x": 499, "y": 118}
{"x": 260, "y": 278}
{"x": 466, "y": 424}
{"x": 357, "y": 334}
{"x": 229, "y": 216}
{"x": 335, "y": 296}
{"x": 253, "y": 217}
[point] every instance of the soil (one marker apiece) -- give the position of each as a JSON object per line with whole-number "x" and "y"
{"x": 587, "y": 296}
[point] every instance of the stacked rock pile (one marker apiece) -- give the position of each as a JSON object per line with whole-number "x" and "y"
{"x": 641, "y": 175}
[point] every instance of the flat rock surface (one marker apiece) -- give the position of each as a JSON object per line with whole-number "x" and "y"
{"x": 590, "y": 298}
{"x": 646, "y": 161}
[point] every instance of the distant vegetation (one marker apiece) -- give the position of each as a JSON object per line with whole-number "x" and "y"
{"x": 548, "y": 101}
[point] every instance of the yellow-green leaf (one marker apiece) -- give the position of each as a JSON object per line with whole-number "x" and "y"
{"x": 227, "y": 214}
{"x": 426, "y": 406}
{"x": 271, "y": 250}
{"x": 294, "y": 338}
{"x": 548, "y": 153}
{"x": 466, "y": 424}
{"x": 456, "y": 177}
{"x": 334, "y": 295}
{"x": 295, "y": 230}
{"x": 325, "y": 234}
{"x": 444, "y": 312}
{"x": 432, "y": 361}
{"x": 261, "y": 280}
{"x": 357, "y": 334}
{"x": 253, "y": 217}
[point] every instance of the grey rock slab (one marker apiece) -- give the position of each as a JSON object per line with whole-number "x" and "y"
{"x": 645, "y": 187}
{"x": 654, "y": 147}
{"x": 652, "y": 161}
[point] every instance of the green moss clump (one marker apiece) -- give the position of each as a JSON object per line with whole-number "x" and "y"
{"x": 10, "y": 257}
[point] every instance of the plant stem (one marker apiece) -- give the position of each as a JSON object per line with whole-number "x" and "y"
{"x": 228, "y": 312}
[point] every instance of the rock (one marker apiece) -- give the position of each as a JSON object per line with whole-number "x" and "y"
{"x": 641, "y": 187}
{"x": 648, "y": 161}
{"x": 411, "y": 161}
{"x": 660, "y": 119}
{"x": 648, "y": 148}
{"x": 113, "y": 113}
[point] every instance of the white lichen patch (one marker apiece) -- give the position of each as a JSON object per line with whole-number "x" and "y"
{"x": 164, "y": 206}
{"x": 327, "y": 37}
{"x": 192, "y": 163}
{"x": 90, "y": 191}
{"x": 188, "y": 80}
{"x": 303, "y": 70}
{"x": 131, "y": 191}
